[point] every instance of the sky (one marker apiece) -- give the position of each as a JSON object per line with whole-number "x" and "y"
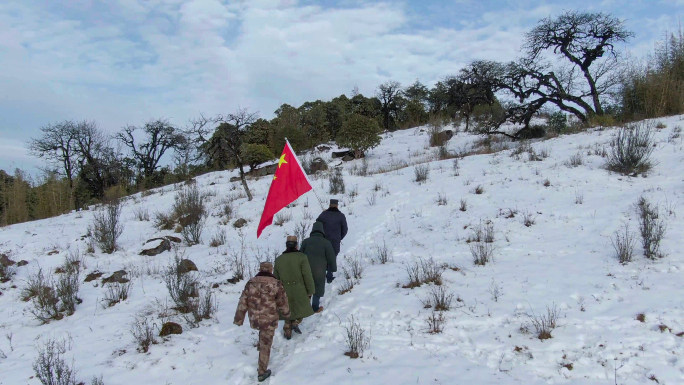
{"x": 122, "y": 62}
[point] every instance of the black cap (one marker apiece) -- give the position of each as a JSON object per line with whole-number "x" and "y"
{"x": 333, "y": 202}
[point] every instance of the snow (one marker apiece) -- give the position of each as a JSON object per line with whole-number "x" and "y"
{"x": 564, "y": 259}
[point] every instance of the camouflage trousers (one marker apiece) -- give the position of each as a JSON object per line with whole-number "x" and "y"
{"x": 287, "y": 328}
{"x": 264, "y": 347}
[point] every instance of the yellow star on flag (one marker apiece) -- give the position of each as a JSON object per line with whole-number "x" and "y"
{"x": 282, "y": 160}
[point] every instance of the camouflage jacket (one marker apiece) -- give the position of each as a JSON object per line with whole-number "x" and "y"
{"x": 262, "y": 298}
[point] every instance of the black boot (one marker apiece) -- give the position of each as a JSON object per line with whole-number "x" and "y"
{"x": 263, "y": 377}
{"x": 296, "y": 329}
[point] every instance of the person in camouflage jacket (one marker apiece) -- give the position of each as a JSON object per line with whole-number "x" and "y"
{"x": 263, "y": 298}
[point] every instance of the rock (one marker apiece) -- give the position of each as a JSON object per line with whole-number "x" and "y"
{"x": 164, "y": 245}
{"x": 170, "y": 328}
{"x": 348, "y": 158}
{"x": 342, "y": 154}
{"x": 318, "y": 164}
{"x": 117, "y": 277}
{"x": 186, "y": 266}
{"x": 212, "y": 183}
{"x": 93, "y": 276}
{"x": 443, "y": 137}
{"x": 238, "y": 224}
{"x": 5, "y": 261}
{"x": 173, "y": 239}
{"x": 263, "y": 171}
{"x": 323, "y": 148}
{"x": 53, "y": 252}
{"x": 22, "y": 263}
{"x": 190, "y": 181}
{"x": 215, "y": 286}
{"x": 235, "y": 179}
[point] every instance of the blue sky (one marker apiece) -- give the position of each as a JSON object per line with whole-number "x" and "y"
{"x": 123, "y": 62}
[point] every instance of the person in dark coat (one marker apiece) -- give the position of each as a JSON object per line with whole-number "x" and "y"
{"x": 293, "y": 270}
{"x": 335, "y": 226}
{"x": 321, "y": 257}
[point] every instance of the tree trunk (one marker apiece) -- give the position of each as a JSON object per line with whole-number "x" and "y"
{"x": 244, "y": 183}
{"x": 598, "y": 110}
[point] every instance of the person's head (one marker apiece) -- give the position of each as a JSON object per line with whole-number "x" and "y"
{"x": 266, "y": 267}
{"x": 291, "y": 243}
{"x": 333, "y": 203}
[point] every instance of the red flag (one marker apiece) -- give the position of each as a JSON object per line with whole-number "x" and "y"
{"x": 289, "y": 183}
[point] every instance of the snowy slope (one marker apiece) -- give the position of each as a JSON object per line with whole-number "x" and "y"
{"x": 565, "y": 258}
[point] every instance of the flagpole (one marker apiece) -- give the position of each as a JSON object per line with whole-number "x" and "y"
{"x": 307, "y": 177}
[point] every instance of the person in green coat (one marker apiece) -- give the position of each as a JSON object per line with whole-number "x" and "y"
{"x": 293, "y": 270}
{"x": 322, "y": 259}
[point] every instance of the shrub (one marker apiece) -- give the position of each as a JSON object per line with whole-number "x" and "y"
{"x": 436, "y": 322}
{"x": 528, "y": 219}
{"x": 464, "y": 205}
{"x": 51, "y": 300}
{"x": 142, "y": 214}
{"x": 97, "y": 381}
{"x": 336, "y": 182}
{"x": 302, "y": 230}
{"x": 382, "y": 253}
{"x": 116, "y": 292}
{"x": 359, "y": 133}
{"x": 190, "y": 209}
{"x": 441, "y": 199}
{"x": 203, "y": 308}
{"x": 558, "y": 122}
{"x": 143, "y": 334}
{"x": 436, "y": 138}
{"x": 456, "y": 167}
{"x": 219, "y": 238}
{"x": 479, "y": 190}
{"x": 183, "y": 287}
{"x": 282, "y": 217}
{"x": 346, "y": 287}
{"x": 372, "y": 199}
{"x": 438, "y": 298}
{"x": 623, "y": 243}
{"x": 255, "y": 154}
{"x": 50, "y": 367}
{"x": 543, "y": 324}
{"x": 6, "y": 273}
{"x": 483, "y": 232}
{"x": 482, "y": 253}
{"x": 107, "y": 227}
{"x": 354, "y": 268}
{"x": 651, "y": 227}
{"x": 423, "y": 271}
{"x": 163, "y": 221}
{"x": 422, "y": 172}
{"x": 356, "y": 338}
{"x": 575, "y": 160}
{"x": 631, "y": 149}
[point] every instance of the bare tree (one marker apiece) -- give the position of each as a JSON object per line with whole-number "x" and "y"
{"x": 160, "y": 136}
{"x": 587, "y": 43}
{"x": 388, "y": 93}
{"x": 57, "y": 144}
{"x": 98, "y": 162}
{"x": 227, "y": 140}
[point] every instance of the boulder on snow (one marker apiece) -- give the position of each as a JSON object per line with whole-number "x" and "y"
{"x": 53, "y": 252}
{"x": 443, "y": 137}
{"x": 93, "y": 276}
{"x": 22, "y": 263}
{"x": 164, "y": 245}
{"x": 5, "y": 261}
{"x": 240, "y": 223}
{"x": 263, "y": 171}
{"x": 186, "y": 266}
{"x": 342, "y": 154}
{"x": 117, "y": 277}
{"x": 323, "y": 148}
{"x": 173, "y": 239}
{"x": 170, "y": 328}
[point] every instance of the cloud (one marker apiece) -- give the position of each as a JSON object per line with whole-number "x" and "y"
{"x": 126, "y": 61}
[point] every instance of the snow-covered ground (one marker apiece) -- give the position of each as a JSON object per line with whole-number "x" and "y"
{"x": 565, "y": 259}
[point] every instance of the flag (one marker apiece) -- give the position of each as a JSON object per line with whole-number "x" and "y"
{"x": 289, "y": 183}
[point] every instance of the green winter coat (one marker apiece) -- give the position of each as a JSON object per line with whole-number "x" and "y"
{"x": 293, "y": 270}
{"x": 321, "y": 256}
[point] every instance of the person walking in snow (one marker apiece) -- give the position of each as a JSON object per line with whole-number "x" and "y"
{"x": 263, "y": 298}
{"x": 321, "y": 257}
{"x": 293, "y": 270}
{"x": 335, "y": 226}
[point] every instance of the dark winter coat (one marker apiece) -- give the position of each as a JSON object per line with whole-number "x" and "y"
{"x": 293, "y": 270}
{"x": 263, "y": 298}
{"x": 321, "y": 256}
{"x": 335, "y": 225}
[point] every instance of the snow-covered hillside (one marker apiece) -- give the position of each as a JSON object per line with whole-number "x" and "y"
{"x": 565, "y": 260}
